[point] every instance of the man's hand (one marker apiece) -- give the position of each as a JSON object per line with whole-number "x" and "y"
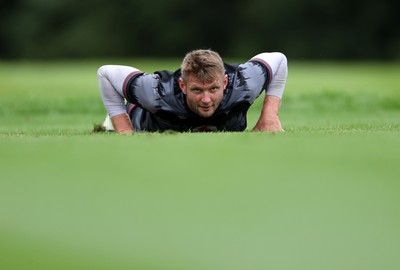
{"x": 269, "y": 119}
{"x": 270, "y": 125}
{"x": 122, "y": 124}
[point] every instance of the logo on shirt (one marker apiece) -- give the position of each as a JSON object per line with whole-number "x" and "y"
{"x": 205, "y": 129}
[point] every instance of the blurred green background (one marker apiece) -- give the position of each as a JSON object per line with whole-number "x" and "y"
{"x": 309, "y": 29}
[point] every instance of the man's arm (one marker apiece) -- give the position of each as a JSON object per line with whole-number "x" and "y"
{"x": 122, "y": 124}
{"x": 111, "y": 80}
{"x": 269, "y": 118}
{"x": 276, "y": 63}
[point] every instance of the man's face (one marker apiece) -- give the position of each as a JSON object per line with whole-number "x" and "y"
{"x": 203, "y": 98}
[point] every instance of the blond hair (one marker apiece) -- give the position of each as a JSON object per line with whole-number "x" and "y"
{"x": 205, "y": 65}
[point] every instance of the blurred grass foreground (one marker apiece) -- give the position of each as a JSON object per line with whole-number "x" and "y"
{"x": 322, "y": 195}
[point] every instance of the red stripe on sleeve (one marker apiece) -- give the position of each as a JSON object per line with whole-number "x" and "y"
{"x": 127, "y": 80}
{"x": 263, "y": 62}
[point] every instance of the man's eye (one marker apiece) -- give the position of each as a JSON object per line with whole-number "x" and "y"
{"x": 214, "y": 89}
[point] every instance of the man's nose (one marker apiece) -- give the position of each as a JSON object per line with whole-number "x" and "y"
{"x": 206, "y": 97}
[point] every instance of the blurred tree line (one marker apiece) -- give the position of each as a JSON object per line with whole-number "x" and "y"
{"x": 309, "y": 29}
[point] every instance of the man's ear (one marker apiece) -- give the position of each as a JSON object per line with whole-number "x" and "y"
{"x": 225, "y": 81}
{"x": 182, "y": 85}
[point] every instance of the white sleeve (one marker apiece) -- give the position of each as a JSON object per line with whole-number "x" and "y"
{"x": 277, "y": 64}
{"x": 111, "y": 79}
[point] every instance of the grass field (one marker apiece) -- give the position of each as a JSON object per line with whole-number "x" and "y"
{"x": 322, "y": 195}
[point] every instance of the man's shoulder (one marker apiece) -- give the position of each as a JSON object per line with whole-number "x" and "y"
{"x": 168, "y": 81}
{"x": 168, "y": 75}
{"x": 231, "y": 67}
{"x": 170, "y": 97}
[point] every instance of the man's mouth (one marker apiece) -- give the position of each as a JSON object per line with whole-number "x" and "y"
{"x": 205, "y": 108}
